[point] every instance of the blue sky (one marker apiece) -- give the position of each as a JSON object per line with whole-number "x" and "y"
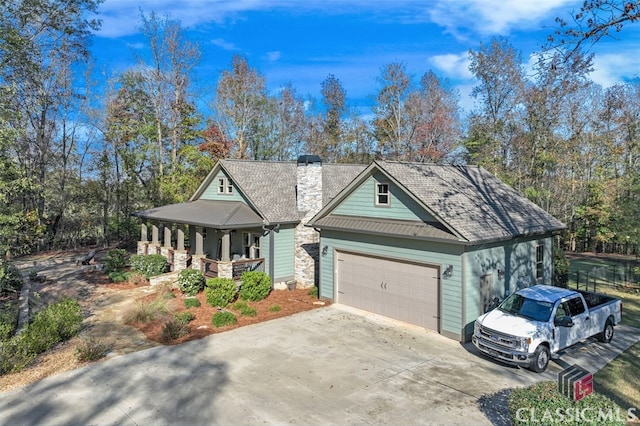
{"x": 304, "y": 41}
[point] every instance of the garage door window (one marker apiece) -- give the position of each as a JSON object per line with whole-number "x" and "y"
{"x": 382, "y": 194}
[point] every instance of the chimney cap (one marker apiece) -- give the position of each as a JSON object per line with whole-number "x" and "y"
{"x": 309, "y": 159}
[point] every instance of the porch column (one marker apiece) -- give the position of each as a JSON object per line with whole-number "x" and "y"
{"x": 154, "y": 246}
{"x": 144, "y": 240}
{"x": 167, "y": 236}
{"x": 199, "y": 241}
{"x": 180, "y": 256}
{"x": 226, "y": 246}
{"x": 180, "y": 245}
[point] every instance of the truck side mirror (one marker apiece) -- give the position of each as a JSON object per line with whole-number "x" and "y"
{"x": 564, "y": 321}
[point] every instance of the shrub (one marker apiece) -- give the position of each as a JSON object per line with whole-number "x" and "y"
{"x": 116, "y": 261}
{"x": 220, "y": 291}
{"x": 9, "y": 312}
{"x": 543, "y": 401}
{"x": 90, "y": 349}
{"x": 137, "y": 278}
{"x": 220, "y": 319}
{"x": 145, "y": 312}
{"x": 184, "y": 317}
{"x": 149, "y": 265}
{"x": 174, "y": 329}
{"x": 10, "y": 278}
{"x": 14, "y": 355}
{"x": 248, "y": 311}
{"x": 239, "y": 305}
{"x": 118, "y": 276}
{"x": 191, "y": 302}
{"x": 190, "y": 281}
{"x": 274, "y": 308}
{"x": 313, "y": 291}
{"x": 256, "y": 285}
{"x": 53, "y": 324}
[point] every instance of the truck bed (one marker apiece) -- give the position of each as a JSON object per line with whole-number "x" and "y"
{"x": 593, "y": 300}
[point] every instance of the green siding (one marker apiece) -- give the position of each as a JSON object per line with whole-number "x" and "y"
{"x": 211, "y": 192}
{"x": 284, "y": 260}
{"x": 361, "y": 202}
{"x": 437, "y": 254}
{"x": 516, "y": 262}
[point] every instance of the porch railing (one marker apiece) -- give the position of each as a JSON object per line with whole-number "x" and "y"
{"x": 210, "y": 267}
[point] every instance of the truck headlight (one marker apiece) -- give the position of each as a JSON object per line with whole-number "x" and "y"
{"x": 523, "y": 344}
{"x": 476, "y": 328}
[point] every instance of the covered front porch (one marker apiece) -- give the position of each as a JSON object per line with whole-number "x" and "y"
{"x": 220, "y": 238}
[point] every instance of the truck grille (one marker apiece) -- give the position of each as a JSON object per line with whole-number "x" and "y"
{"x": 497, "y": 338}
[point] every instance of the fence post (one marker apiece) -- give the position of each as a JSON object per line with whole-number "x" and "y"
{"x": 577, "y": 280}
{"x": 613, "y": 274}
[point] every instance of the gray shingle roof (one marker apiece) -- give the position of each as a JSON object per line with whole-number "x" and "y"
{"x": 472, "y": 201}
{"x": 335, "y": 177}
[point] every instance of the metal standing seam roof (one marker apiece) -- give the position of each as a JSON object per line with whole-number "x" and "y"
{"x": 410, "y": 229}
{"x": 208, "y": 213}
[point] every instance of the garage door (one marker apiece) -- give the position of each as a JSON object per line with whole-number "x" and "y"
{"x": 400, "y": 290}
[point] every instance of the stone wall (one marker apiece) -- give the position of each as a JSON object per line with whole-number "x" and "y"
{"x": 307, "y": 239}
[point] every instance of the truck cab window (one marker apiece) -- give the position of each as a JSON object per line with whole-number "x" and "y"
{"x": 576, "y": 307}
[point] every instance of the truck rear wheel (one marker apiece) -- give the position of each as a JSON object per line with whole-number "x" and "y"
{"x": 607, "y": 333}
{"x": 540, "y": 359}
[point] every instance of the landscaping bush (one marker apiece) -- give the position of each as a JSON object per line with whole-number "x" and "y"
{"x": 220, "y": 291}
{"x": 220, "y": 319}
{"x": 190, "y": 281}
{"x": 543, "y": 404}
{"x": 90, "y": 349}
{"x": 274, "y": 308}
{"x": 239, "y": 305}
{"x": 313, "y": 291}
{"x": 115, "y": 261}
{"x": 248, "y": 311}
{"x": 149, "y": 265}
{"x": 137, "y": 278}
{"x": 55, "y": 323}
{"x": 10, "y": 278}
{"x": 174, "y": 329}
{"x": 118, "y": 276}
{"x": 184, "y": 317}
{"x": 9, "y": 312}
{"x": 191, "y": 302}
{"x": 256, "y": 286}
{"x": 145, "y": 312}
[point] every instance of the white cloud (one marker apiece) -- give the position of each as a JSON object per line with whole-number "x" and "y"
{"x": 614, "y": 68}
{"x": 273, "y": 56}
{"x": 223, "y": 44}
{"x": 489, "y": 17}
{"x": 455, "y": 66}
{"x": 135, "y": 46}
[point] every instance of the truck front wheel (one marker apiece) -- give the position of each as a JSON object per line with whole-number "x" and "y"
{"x": 607, "y": 333}
{"x": 540, "y": 359}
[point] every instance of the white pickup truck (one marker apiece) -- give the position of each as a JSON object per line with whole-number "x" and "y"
{"x": 533, "y": 323}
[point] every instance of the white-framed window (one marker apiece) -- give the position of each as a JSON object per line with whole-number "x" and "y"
{"x": 382, "y": 194}
{"x": 540, "y": 261}
{"x": 225, "y": 185}
{"x": 251, "y": 245}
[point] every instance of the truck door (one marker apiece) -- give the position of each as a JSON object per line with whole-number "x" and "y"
{"x": 562, "y": 334}
{"x": 574, "y": 308}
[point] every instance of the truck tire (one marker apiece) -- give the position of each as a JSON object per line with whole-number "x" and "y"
{"x": 540, "y": 359}
{"x": 607, "y": 333}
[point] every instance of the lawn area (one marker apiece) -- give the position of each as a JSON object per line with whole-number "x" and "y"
{"x": 619, "y": 379}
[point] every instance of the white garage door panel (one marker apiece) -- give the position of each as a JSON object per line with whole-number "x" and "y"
{"x": 399, "y": 290}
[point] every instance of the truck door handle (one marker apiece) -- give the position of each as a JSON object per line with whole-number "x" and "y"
{"x": 587, "y": 319}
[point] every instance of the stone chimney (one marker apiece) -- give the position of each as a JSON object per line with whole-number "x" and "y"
{"x": 309, "y": 199}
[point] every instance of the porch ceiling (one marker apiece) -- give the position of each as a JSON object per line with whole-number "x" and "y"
{"x": 207, "y": 213}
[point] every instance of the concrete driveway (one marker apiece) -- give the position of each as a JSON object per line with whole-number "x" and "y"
{"x": 327, "y": 366}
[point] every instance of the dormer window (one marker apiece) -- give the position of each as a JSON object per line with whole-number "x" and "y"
{"x": 225, "y": 186}
{"x": 382, "y": 194}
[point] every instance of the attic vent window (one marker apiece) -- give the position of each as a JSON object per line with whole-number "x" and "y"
{"x": 225, "y": 186}
{"x": 382, "y": 194}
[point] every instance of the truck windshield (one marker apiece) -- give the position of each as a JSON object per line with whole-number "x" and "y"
{"x": 528, "y": 308}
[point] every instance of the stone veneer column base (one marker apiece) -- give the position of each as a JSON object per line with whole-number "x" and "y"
{"x": 153, "y": 248}
{"x": 142, "y": 247}
{"x": 180, "y": 258}
{"x": 225, "y": 269}
{"x": 196, "y": 261}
